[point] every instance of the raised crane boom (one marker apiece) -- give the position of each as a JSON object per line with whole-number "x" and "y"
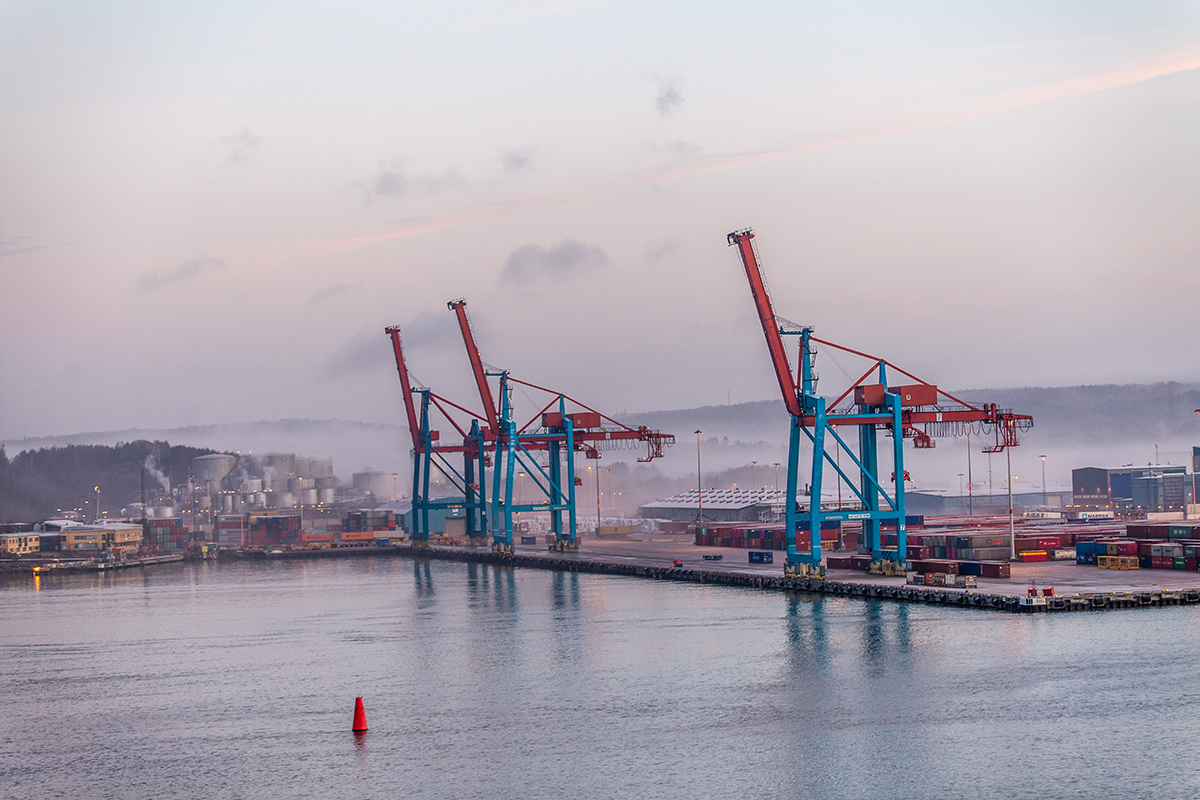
{"x": 766, "y": 315}
{"x": 459, "y": 307}
{"x": 414, "y": 427}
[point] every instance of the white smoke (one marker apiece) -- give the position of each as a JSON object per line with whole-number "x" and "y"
{"x": 151, "y": 466}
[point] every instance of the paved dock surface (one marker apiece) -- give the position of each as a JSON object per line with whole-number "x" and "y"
{"x": 1066, "y": 577}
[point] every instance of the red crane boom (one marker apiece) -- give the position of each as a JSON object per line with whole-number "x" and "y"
{"x": 413, "y": 426}
{"x": 766, "y": 315}
{"x": 459, "y": 307}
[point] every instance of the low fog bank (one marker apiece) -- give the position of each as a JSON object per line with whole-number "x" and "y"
{"x": 1073, "y": 427}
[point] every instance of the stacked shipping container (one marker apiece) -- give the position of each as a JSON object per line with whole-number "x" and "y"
{"x": 164, "y": 535}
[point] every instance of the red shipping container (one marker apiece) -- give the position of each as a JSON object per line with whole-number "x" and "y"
{"x": 1048, "y": 543}
{"x": 995, "y": 569}
{"x": 1026, "y": 544}
{"x": 1127, "y": 548}
{"x": 1189, "y": 564}
{"x": 1034, "y": 555}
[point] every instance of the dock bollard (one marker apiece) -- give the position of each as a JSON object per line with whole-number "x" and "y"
{"x": 360, "y": 717}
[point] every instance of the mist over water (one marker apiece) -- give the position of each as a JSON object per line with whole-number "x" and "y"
{"x": 238, "y": 680}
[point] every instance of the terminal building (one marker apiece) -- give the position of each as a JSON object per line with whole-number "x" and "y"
{"x": 1133, "y": 491}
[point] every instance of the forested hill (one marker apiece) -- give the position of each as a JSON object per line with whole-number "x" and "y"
{"x": 36, "y": 484}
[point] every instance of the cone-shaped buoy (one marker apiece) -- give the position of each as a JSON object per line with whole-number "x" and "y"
{"x": 360, "y": 717}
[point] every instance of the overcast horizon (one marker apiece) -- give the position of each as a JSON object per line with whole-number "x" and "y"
{"x": 209, "y": 212}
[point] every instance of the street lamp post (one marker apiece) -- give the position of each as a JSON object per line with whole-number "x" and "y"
{"x": 699, "y": 487}
{"x": 1045, "y": 502}
{"x": 97, "y": 509}
{"x": 1185, "y": 504}
{"x": 754, "y": 472}
{"x": 960, "y": 492}
{"x": 777, "y": 476}
{"x": 608, "y": 474}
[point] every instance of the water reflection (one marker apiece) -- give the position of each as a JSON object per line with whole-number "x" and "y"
{"x": 807, "y": 633}
{"x": 422, "y": 580}
{"x": 505, "y": 588}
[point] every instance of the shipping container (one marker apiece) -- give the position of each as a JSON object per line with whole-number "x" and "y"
{"x": 995, "y": 569}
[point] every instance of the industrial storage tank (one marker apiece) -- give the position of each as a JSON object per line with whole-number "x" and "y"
{"x": 251, "y": 486}
{"x": 310, "y": 497}
{"x": 279, "y": 465}
{"x": 212, "y": 468}
{"x": 314, "y": 467}
{"x": 326, "y": 495}
{"x": 298, "y": 485}
{"x": 380, "y": 484}
{"x": 327, "y": 483}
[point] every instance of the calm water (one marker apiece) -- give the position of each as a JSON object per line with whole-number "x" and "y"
{"x": 238, "y": 681}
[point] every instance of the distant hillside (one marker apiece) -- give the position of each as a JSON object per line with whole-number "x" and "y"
{"x": 1151, "y": 412}
{"x": 352, "y": 445}
{"x": 1074, "y": 426}
{"x": 37, "y": 484}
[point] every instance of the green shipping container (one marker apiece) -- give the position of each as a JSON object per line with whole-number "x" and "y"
{"x": 1179, "y": 563}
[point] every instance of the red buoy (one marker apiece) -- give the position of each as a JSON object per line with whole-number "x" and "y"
{"x": 360, "y": 717}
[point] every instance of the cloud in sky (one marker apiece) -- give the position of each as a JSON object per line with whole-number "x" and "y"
{"x": 657, "y": 250}
{"x": 530, "y": 262}
{"x": 669, "y": 98}
{"x": 15, "y": 245}
{"x": 330, "y": 292}
{"x": 517, "y": 159}
{"x": 368, "y": 350}
{"x": 187, "y": 271}
{"x": 241, "y": 146}
{"x": 395, "y": 182}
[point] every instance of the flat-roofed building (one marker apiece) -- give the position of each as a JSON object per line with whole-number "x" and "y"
{"x": 19, "y": 544}
{"x": 120, "y": 537}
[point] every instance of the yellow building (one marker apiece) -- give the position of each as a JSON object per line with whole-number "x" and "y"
{"x": 119, "y": 537}
{"x": 19, "y": 544}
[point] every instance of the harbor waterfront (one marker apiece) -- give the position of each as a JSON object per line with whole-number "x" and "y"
{"x": 238, "y": 679}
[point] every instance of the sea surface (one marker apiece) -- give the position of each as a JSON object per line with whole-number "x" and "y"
{"x": 238, "y": 680}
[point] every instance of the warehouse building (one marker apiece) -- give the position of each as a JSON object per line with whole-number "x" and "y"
{"x": 719, "y": 505}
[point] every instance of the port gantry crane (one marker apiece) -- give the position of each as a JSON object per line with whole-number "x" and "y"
{"x": 552, "y": 431}
{"x": 916, "y": 411}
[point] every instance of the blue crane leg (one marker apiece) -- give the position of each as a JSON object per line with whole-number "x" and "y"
{"x": 868, "y": 454}
{"x": 814, "y": 498}
{"x": 793, "y": 475}
{"x": 898, "y": 444}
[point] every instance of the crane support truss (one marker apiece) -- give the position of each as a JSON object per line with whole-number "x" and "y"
{"x": 919, "y": 412}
